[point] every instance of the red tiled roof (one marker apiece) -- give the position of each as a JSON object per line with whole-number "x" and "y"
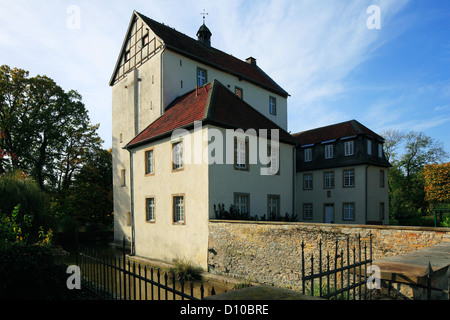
{"x": 335, "y": 131}
{"x": 192, "y": 48}
{"x": 213, "y": 104}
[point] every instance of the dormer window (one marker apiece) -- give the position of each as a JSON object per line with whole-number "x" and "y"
{"x": 328, "y": 151}
{"x": 348, "y": 146}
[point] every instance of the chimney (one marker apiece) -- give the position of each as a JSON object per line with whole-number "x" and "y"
{"x": 251, "y": 61}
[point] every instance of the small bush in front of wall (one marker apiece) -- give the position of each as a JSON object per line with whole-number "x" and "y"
{"x": 186, "y": 271}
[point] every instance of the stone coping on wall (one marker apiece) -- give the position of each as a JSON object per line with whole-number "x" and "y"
{"x": 312, "y": 224}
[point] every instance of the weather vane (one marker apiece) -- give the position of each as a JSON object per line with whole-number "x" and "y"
{"x": 204, "y": 14}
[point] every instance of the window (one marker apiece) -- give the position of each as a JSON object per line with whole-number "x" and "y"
{"x": 178, "y": 209}
{"x": 328, "y": 151}
{"x": 272, "y": 105}
{"x": 149, "y": 162}
{"x": 177, "y": 156}
{"x": 238, "y": 92}
{"x": 308, "y": 155}
{"x": 349, "y": 178}
{"x": 240, "y": 154}
{"x": 128, "y": 55}
{"x": 201, "y": 77}
{"x": 273, "y": 206}
{"x": 349, "y": 211}
{"x": 381, "y": 178}
{"x": 145, "y": 40}
{"x": 241, "y": 203}
{"x": 128, "y": 219}
{"x": 274, "y": 164}
{"x": 150, "y": 210}
{"x": 380, "y": 150}
{"x": 348, "y": 146}
{"x": 122, "y": 178}
{"x": 307, "y": 211}
{"x": 369, "y": 147}
{"x": 307, "y": 181}
{"x": 328, "y": 180}
{"x": 381, "y": 210}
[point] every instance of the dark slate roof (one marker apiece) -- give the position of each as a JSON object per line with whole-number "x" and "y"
{"x": 193, "y": 49}
{"x": 335, "y": 131}
{"x": 212, "y": 104}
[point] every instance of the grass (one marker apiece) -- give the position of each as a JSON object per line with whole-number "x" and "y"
{"x": 186, "y": 271}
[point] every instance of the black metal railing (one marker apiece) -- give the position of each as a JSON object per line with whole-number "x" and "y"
{"x": 338, "y": 276}
{"x": 118, "y": 278}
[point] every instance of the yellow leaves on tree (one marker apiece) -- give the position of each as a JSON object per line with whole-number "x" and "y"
{"x": 437, "y": 182}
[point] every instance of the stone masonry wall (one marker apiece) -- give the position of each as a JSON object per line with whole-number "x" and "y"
{"x": 270, "y": 252}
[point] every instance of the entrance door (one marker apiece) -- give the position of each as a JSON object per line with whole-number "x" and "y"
{"x": 329, "y": 213}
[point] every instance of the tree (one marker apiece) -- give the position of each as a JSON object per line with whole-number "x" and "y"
{"x": 45, "y": 130}
{"x": 408, "y": 153}
{"x": 437, "y": 182}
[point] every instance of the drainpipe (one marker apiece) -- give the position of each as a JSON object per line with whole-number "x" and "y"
{"x": 294, "y": 173}
{"x": 161, "y": 111}
{"x": 133, "y": 244}
{"x": 366, "y": 196}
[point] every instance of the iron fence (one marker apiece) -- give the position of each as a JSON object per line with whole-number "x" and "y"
{"x": 338, "y": 276}
{"x": 116, "y": 278}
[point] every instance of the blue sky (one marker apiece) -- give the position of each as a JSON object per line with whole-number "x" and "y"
{"x": 334, "y": 67}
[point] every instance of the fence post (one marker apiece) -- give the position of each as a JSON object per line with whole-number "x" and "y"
{"x": 124, "y": 270}
{"x": 303, "y": 267}
{"x": 429, "y": 274}
{"x": 448, "y": 282}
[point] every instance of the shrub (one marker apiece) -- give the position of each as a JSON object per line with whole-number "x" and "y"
{"x": 31, "y": 273}
{"x": 186, "y": 271}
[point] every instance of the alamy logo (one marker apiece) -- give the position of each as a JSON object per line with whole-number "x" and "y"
{"x": 374, "y": 21}
{"x": 74, "y": 281}
{"x": 236, "y": 147}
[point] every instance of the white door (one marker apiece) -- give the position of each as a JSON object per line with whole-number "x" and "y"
{"x": 329, "y": 213}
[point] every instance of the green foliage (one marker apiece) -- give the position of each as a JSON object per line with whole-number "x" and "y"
{"x": 23, "y": 208}
{"x": 409, "y": 153}
{"x": 31, "y": 272}
{"x": 234, "y": 214}
{"x": 186, "y": 271}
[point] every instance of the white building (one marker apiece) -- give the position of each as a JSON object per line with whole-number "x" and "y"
{"x": 166, "y": 185}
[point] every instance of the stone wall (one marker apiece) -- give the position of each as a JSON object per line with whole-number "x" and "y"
{"x": 270, "y": 252}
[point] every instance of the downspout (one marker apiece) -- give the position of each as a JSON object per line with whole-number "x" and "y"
{"x": 366, "y": 196}
{"x": 294, "y": 169}
{"x": 133, "y": 243}
{"x": 161, "y": 111}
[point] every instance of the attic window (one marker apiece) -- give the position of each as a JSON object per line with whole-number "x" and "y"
{"x": 128, "y": 55}
{"x": 201, "y": 77}
{"x": 145, "y": 40}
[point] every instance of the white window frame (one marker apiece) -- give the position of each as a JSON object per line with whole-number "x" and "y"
{"x": 202, "y": 77}
{"x": 177, "y": 156}
{"x": 242, "y": 201}
{"x": 274, "y": 164}
{"x": 150, "y": 209}
{"x": 308, "y": 154}
{"x": 307, "y": 181}
{"x": 178, "y": 209}
{"x": 328, "y": 180}
{"x": 349, "y": 178}
{"x": 273, "y": 205}
{"x": 240, "y": 149}
{"x": 348, "y": 211}
{"x": 307, "y": 211}
{"x": 349, "y": 148}
{"x": 149, "y": 162}
{"x": 369, "y": 147}
{"x": 272, "y": 105}
{"x": 329, "y": 151}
